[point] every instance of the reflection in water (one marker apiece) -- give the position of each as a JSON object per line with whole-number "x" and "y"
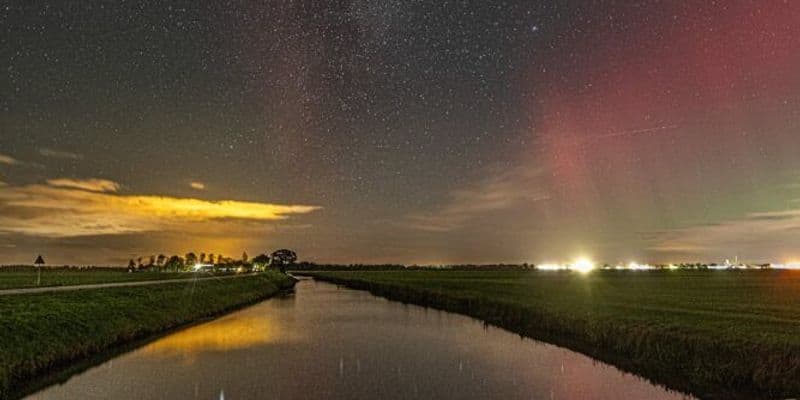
{"x": 331, "y": 343}
{"x": 227, "y": 333}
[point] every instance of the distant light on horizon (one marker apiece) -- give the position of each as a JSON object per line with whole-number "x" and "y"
{"x": 634, "y": 266}
{"x": 792, "y": 265}
{"x": 583, "y": 265}
{"x": 200, "y": 266}
{"x": 551, "y": 267}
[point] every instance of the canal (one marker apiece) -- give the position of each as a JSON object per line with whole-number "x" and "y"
{"x": 326, "y": 342}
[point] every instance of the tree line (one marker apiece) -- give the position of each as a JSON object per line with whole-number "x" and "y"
{"x": 279, "y": 259}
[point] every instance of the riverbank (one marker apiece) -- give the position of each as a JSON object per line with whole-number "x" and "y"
{"x": 327, "y": 342}
{"x": 713, "y": 334}
{"x": 151, "y": 282}
{"x": 29, "y": 277}
{"x": 43, "y": 332}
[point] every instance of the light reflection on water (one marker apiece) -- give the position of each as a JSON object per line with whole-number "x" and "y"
{"x": 246, "y": 329}
{"x": 331, "y": 343}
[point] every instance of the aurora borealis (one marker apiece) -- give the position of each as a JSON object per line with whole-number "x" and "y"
{"x": 401, "y": 131}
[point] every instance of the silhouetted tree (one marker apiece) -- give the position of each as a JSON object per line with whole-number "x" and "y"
{"x": 160, "y": 260}
{"x": 202, "y": 258}
{"x": 245, "y": 258}
{"x": 191, "y": 258}
{"x": 260, "y": 261}
{"x": 131, "y": 265}
{"x": 282, "y": 258}
{"x": 211, "y": 258}
{"x": 174, "y": 263}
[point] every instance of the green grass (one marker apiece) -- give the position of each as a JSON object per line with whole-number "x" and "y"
{"x": 713, "y": 333}
{"x": 41, "y": 332}
{"x": 22, "y": 278}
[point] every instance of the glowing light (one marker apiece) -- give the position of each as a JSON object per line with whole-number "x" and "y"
{"x": 634, "y": 266}
{"x": 583, "y": 265}
{"x": 794, "y": 265}
{"x": 551, "y": 267}
{"x": 672, "y": 266}
{"x": 200, "y": 266}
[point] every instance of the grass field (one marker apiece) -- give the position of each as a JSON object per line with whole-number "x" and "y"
{"x": 41, "y": 332}
{"x": 716, "y": 334}
{"x": 26, "y": 277}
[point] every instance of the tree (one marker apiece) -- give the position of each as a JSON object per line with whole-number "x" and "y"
{"x": 202, "y": 258}
{"x": 245, "y": 258}
{"x": 282, "y": 258}
{"x": 152, "y": 261}
{"x": 131, "y": 265}
{"x": 174, "y": 263}
{"x": 211, "y": 258}
{"x": 191, "y": 258}
{"x": 260, "y": 261}
{"x": 160, "y": 260}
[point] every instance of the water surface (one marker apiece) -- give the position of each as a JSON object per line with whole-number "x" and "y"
{"x": 326, "y": 342}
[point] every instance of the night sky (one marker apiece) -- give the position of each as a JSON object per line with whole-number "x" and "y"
{"x": 400, "y": 131}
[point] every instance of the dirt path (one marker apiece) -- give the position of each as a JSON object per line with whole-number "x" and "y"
{"x": 111, "y": 285}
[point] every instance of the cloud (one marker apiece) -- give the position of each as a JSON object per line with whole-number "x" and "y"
{"x": 198, "y": 185}
{"x": 512, "y": 188}
{"x": 47, "y": 152}
{"x": 756, "y": 236}
{"x": 92, "y": 185}
{"x": 85, "y": 208}
{"x": 5, "y": 159}
{"x": 8, "y": 160}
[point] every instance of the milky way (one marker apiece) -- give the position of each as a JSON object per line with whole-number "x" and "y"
{"x": 400, "y": 131}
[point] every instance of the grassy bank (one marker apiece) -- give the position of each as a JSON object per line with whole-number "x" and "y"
{"x": 712, "y": 333}
{"x": 27, "y": 277}
{"x": 41, "y": 332}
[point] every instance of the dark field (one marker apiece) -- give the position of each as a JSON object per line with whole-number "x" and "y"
{"x": 42, "y": 332}
{"x": 26, "y": 277}
{"x": 713, "y": 333}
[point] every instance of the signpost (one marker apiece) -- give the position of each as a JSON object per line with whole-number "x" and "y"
{"x": 39, "y": 263}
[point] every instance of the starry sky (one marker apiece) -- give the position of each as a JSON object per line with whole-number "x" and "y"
{"x": 400, "y": 131}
